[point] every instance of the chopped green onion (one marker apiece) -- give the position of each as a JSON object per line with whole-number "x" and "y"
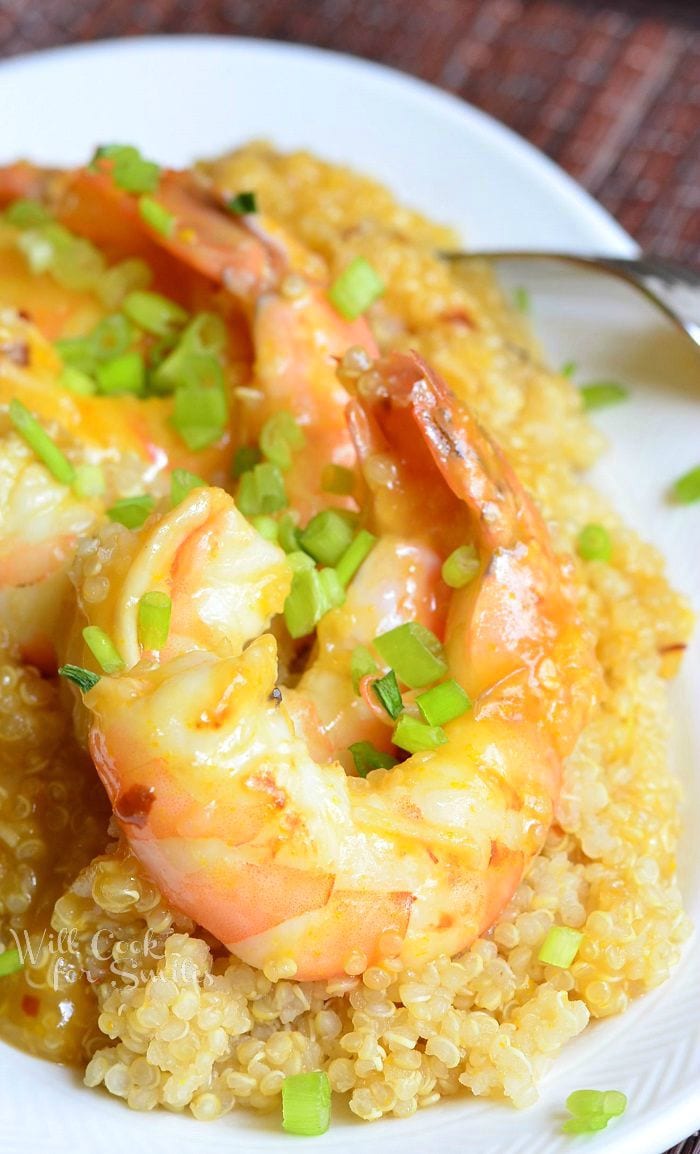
{"x": 300, "y": 560}
{"x": 414, "y": 653}
{"x": 37, "y": 249}
{"x": 183, "y": 482}
{"x": 267, "y": 527}
{"x": 521, "y": 299}
{"x": 354, "y": 555}
{"x": 367, "y": 757}
{"x": 102, "y": 648}
{"x": 130, "y": 170}
{"x": 40, "y": 442}
{"x": 200, "y": 413}
{"x": 206, "y": 333}
{"x": 242, "y": 204}
{"x": 10, "y": 962}
{"x": 110, "y": 338}
{"x": 27, "y": 214}
{"x": 582, "y": 1103}
{"x": 417, "y": 737}
{"x": 593, "y": 1109}
{"x": 361, "y": 664}
{"x": 333, "y": 591}
{"x": 594, "y": 543}
{"x": 560, "y": 947}
{"x": 121, "y": 279}
{"x": 124, "y": 374}
{"x": 132, "y": 511}
{"x": 387, "y": 691}
{"x": 153, "y": 313}
{"x": 245, "y": 458}
{"x": 686, "y": 489}
{"x": 461, "y": 567}
{"x": 77, "y": 382}
{"x": 306, "y": 1104}
{"x": 600, "y": 394}
{"x": 76, "y": 263}
{"x": 306, "y": 603}
{"x": 89, "y": 481}
{"x": 337, "y": 479}
{"x": 154, "y": 613}
{"x": 443, "y": 703}
{"x": 288, "y": 533}
{"x": 278, "y": 436}
{"x": 327, "y": 537}
{"x": 156, "y": 216}
{"x": 568, "y": 368}
{"x": 355, "y": 289}
{"x": 261, "y": 490}
{"x": 85, "y": 679}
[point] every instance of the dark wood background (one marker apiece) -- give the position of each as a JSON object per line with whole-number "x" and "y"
{"x": 610, "y": 90}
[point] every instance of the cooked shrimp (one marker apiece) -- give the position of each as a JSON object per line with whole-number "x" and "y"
{"x": 297, "y": 867}
{"x": 297, "y": 335}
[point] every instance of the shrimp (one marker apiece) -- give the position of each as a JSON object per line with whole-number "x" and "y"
{"x": 279, "y": 286}
{"x": 296, "y": 866}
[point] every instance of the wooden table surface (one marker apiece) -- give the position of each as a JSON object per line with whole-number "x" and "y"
{"x": 610, "y": 90}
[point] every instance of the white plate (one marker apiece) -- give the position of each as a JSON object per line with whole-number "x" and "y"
{"x": 182, "y": 98}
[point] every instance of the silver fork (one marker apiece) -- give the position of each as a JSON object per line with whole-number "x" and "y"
{"x": 673, "y": 287}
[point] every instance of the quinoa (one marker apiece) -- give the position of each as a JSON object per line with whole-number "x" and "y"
{"x": 164, "y": 1016}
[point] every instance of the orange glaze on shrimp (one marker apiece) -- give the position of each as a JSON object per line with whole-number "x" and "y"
{"x": 297, "y": 867}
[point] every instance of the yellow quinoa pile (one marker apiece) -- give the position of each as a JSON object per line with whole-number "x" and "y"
{"x": 163, "y": 1015}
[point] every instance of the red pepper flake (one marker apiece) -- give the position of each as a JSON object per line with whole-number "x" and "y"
{"x": 678, "y": 647}
{"x": 30, "y": 1005}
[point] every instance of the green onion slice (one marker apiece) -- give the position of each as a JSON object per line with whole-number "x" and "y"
{"x": 387, "y": 691}
{"x": 686, "y": 489}
{"x": 153, "y": 620}
{"x": 443, "y": 703}
{"x": 183, "y": 482}
{"x": 261, "y": 490}
{"x": 521, "y": 299}
{"x": 306, "y": 1104}
{"x": 288, "y": 533}
{"x": 75, "y": 381}
{"x": 461, "y": 567}
{"x": 130, "y": 170}
{"x": 357, "y": 287}
{"x": 594, "y": 543}
{"x": 26, "y": 213}
{"x": 40, "y": 442}
{"x": 245, "y": 458}
{"x": 153, "y": 313}
{"x": 242, "y": 204}
{"x": 337, "y": 479}
{"x": 600, "y": 394}
{"x": 361, "y": 664}
{"x": 132, "y": 511}
{"x": 414, "y": 653}
{"x": 10, "y": 962}
{"x": 278, "y": 437}
{"x": 266, "y": 526}
{"x": 124, "y": 374}
{"x": 593, "y": 1109}
{"x": 333, "y": 591}
{"x": 200, "y": 412}
{"x": 367, "y": 757}
{"x": 156, "y": 216}
{"x": 354, "y": 555}
{"x": 305, "y": 604}
{"x": 103, "y": 649}
{"x": 85, "y": 679}
{"x": 417, "y": 737}
{"x": 89, "y": 481}
{"x": 327, "y": 537}
{"x": 568, "y": 368}
{"x": 121, "y": 279}
{"x": 560, "y": 946}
